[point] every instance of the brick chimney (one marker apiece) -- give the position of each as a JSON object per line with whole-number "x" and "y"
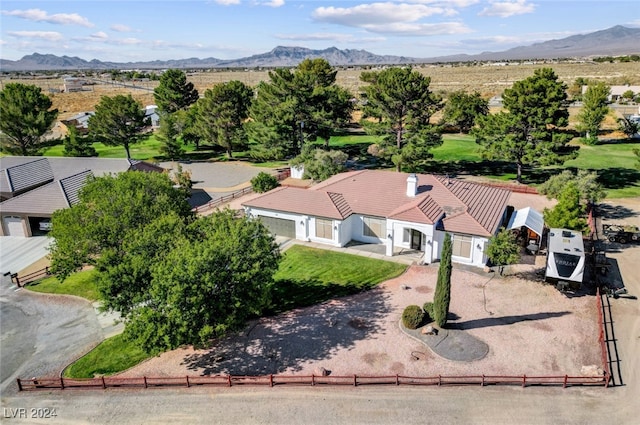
{"x": 412, "y": 185}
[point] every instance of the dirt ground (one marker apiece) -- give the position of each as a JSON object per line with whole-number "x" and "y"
{"x": 530, "y": 328}
{"x": 488, "y": 81}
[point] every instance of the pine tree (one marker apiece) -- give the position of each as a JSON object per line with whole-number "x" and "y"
{"x": 442, "y": 296}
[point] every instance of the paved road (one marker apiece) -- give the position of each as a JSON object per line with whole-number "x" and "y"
{"x": 41, "y": 334}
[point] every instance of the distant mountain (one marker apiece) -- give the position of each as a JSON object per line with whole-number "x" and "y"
{"x": 616, "y": 41}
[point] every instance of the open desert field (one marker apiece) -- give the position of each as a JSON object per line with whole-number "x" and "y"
{"x": 488, "y": 80}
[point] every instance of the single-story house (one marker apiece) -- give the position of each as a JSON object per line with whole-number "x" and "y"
{"x": 151, "y": 113}
{"x": 616, "y": 92}
{"x": 79, "y": 121}
{"x": 402, "y": 211}
{"x": 32, "y": 188}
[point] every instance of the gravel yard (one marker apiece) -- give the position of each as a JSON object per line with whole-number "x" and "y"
{"x": 530, "y": 328}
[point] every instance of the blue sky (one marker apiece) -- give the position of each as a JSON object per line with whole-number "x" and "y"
{"x": 125, "y": 31}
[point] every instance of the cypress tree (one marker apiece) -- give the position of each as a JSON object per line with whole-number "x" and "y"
{"x": 442, "y": 296}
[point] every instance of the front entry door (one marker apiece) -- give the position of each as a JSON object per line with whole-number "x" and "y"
{"x": 416, "y": 239}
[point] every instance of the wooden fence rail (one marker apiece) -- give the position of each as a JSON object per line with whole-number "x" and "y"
{"x": 306, "y": 380}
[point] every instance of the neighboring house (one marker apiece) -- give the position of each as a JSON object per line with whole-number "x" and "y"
{"x": 616, "y": 92}
{"x": 79, "y": 121}
{"x": 151, "y": 112}
{"x": 72, "y": 84}
{"x": 402, "y": 211}
{"x": 31, "y": 188}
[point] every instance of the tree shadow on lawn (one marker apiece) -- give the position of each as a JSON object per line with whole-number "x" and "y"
{"x": 504, "y": 320}
{"x": 276, "y": 344}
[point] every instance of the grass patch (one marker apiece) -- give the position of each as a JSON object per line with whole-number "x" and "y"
{"x": 147, "y": 149}
{"x": 308, "y": 276}
{"x": 111, "y": 356}
{"x": 457, "y": 147}
{"x": 81, "y": 284}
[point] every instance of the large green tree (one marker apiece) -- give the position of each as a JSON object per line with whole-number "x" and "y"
{"x": 397, "y": 105}
{"x": 110, "y": 210}
{"x": 461, "y": 110}
{"x": 531, "y": 132}
{"x": 297, "y": 106}
{"x": 503, "y": 249}
{"x": 78, "y": 145}
{"x": 217, "y": 277}
{"x": 568, "y": 212}
{"x": 25, "y": 116}
{"x": 442, "y": 296}
{"x": 593, "y": 112}
{"x": 118, "y": 121}
{"x": 320, "y": 164}
{"x": 591, "y": 191}
{"x": 174, "y": 92}
{"x": 221, "y": 113}
{"x": 169, "y": 135}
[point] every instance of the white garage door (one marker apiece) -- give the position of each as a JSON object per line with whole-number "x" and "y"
{"x": 279, "y": 226}
{"x": 13, "y": 226}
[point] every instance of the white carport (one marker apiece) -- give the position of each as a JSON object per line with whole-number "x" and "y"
{"x": 529, "y": 218}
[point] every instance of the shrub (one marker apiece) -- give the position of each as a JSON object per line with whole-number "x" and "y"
{"x": 412, "y": 317}
{"x": 263, "y": 182}
{"x": 428, "y": 311}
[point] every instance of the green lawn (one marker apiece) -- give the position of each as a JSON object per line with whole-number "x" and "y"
{"x": 81, "y": 284}
{"x": 457, "y": 147}
{"x": 147, "y": 149}
{"x": 308, "y": 276}
{"x": 112, "y": 355}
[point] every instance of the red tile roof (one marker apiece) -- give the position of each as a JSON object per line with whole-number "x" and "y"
{"x": 464, "y": 206}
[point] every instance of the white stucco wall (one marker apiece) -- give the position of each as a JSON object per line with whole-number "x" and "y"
{"x": 352, "y": 228}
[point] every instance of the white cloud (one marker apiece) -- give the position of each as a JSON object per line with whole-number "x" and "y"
{"x": 227, "y": 2}
{"x": 272, "y": 3}
{"x": 44, "y": 35}
{"x": 120, "y": 28}
{"x": 449, "y": 3}
{"x": 364, "y": 15}
{"x": 99, "y": 36}
{"x": 128, "y": 41}
{"x": 418, "y": 29}
{"x": 508, "y": 8}
{"x": 330, "y": 36}
{"x": 39, "y": 15}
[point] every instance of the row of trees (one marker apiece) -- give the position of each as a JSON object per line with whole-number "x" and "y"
{"x": 294, "y": 107}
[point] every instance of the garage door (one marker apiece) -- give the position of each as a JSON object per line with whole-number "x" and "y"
{"x": 279, "y": 226}
{"x": 13, "y": 226}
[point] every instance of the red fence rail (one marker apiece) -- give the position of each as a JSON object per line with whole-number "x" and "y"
{"x": 215, "y": 203}
{"x": 519, "y": 188}
{"x": 306, "y": 380}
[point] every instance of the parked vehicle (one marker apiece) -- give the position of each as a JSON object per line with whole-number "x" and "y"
{"x": 621, "y": 233}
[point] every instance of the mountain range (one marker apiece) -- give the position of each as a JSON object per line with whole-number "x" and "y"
{"x": 618, "y": 40}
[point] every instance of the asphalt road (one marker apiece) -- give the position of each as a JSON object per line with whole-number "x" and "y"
{"x": 41, "y": 334}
